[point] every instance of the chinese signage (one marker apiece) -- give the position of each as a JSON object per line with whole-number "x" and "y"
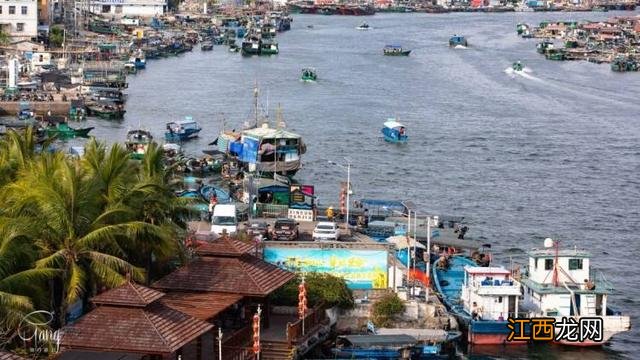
{"x": 548, "y": 329}
{"x": 362, "y": 269}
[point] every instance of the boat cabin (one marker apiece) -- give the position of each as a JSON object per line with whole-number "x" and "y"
{"x": 457, "y": 40}
{"x": 561, "y": 283}
{"x": 394, "y": 131}
{"x": 490, "y": 293}
{"x": 265, "y": 149}
{"x": 182, "y": 130}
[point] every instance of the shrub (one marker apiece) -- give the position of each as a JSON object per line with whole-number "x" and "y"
{"x": 321, "y": 287}
{"x": 386, "y": 308}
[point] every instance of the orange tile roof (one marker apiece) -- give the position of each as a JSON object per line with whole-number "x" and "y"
{"x": 203, "y": 306}
{"x": 246, "y": 275}
{"x": 129, "y": 294}
{"x": 155, "y": 329}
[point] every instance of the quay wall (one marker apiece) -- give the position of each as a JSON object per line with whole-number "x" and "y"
{"x": 11, "y": 108}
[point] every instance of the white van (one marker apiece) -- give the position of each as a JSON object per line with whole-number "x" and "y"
{"x": 224, "y": 218}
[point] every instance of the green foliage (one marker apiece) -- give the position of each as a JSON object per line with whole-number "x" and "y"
{"x": 4, "y": 38}
{"x": 386, "y": 308}
{"x": 331, "y": 290}
{"x": 79, "y": 223}
{"x": 56, "y": 37}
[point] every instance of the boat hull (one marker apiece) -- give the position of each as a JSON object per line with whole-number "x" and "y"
{"x": 181, "y": 136}
{"x": 491, "y": 332}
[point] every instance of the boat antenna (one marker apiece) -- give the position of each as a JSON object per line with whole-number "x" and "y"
{"x": 556, "y": 283}
{"x": 255, "y": 101}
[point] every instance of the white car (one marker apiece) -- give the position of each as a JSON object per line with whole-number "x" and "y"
{"x": 326, "y": 231}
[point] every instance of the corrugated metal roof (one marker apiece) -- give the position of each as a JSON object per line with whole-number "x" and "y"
{"x": 200, "y": 305}
{"x": 246, "y": 275}
{"x": 270, "y": 133}
{"x": 129, "y": 294}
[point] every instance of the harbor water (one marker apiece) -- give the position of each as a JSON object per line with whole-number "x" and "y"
{"x": 551, "y": 152}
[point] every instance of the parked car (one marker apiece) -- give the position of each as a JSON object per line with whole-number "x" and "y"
{"x": 255, "y": 228}
{"x": 285, "y": 230}
{"x": 326, "y": 231}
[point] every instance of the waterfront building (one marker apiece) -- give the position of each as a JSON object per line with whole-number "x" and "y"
{"x": 141, "y": 8}
{"x": 19, "y": 18}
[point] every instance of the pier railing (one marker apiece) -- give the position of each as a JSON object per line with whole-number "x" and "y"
{"x": 272, "y": 211}
{"x": 314, "y": 317}
{"x": 235, "y": 346}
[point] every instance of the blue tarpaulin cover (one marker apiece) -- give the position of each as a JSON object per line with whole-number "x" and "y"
{"x": 235, "y": 147}
{"x": 249, "y": 151}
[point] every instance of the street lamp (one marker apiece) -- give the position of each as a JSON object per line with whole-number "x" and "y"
{"x": 348, "y": 167}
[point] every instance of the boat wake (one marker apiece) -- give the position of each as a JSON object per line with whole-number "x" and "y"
{"x": 460, "y": 47}
{"x": 525, "y": 73}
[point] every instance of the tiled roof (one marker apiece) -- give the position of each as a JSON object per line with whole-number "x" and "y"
{"x": 246, "y": 275}
{"x": 200, "y": 305}
{"x": 10, "y": 356}
{"x": 156, "y": 329}
{"x": 222, "y": 246}
{"x": 129, "y": 294}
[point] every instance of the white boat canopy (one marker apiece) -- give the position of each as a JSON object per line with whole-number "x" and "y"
{"x": 401, "y": 242}
{"x": 392, "y": 124}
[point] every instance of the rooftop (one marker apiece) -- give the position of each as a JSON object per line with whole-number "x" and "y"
{"x": 551, "y": 252}
{"x": 246, "y": 275}
{"x": 129, "y": 294}
{"x": 270, "y": 133}
{"x": 486, "y": 270}
{"x": 203, "y": 306}
{"x": 221, "y": 246}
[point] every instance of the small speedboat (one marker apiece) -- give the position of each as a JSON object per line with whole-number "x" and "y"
{"x": 457, "y": 40}
{"x": 395, "y": 50}
{"x": 517, "y": 66}
{"x": 309, "y": 74}
{"x": 364, "y": 26}
{"x": 394, "y": 132}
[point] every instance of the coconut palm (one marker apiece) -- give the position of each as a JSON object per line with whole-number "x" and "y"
{"x": 76, "y": 233}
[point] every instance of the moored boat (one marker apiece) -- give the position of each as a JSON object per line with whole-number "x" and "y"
{"x": 395, "y": 50}
{"x": 63, "y": 130}
{"x": 457, "y": 40}
{"x": 517, "y": 66}
{"x": 137, "y": 142}
{"x": 309, "y": 74}
{"x": 105, "y": 110}
{"x": 394, "y": 132}
{"x": 206, "y": 46}
{"x": 182, "y": 130}
{"x": 561, "y": 285}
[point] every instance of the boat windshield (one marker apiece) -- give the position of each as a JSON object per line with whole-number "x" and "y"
{"x": 224, "y": 220}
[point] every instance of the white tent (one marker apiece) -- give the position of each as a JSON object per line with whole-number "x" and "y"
{"x": 401, "y": 242}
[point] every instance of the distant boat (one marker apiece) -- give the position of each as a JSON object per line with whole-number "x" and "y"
{"x": 309, "y": 74}
{"x": 364, "y": 26}
{"x": 137, "y": 142}
{"x": 517, "y": 66}
{"x": 63, "y": 130}
{"x": 394, "y": 132}
{"x": 395, "y": 50}
{"x": 457, "y": 40}
{"x": 105, "y": 110}
{"x": 182, "y": 130}
{"x": 206, "y": 46}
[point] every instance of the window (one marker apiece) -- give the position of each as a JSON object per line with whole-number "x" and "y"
{"x": 23, "y": 10}
{"x": 0, "y": 9}
{"x": 500, "y": 299}
{"x": 575, "y": 264}
{"x": 548, "y": 264}
{"x": 20, "y": 27}
{"x": 12, "y": 10}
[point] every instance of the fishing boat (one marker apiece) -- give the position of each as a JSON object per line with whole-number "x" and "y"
{"x": 623, "y": 64}
{"x": 106, "y": 110}
{"x": 182, "y": 130}
{"x": 139, "y": 60}
{"x": 25, "y": 113}
{"x": 251, "y": 45}
{"x": 206, "y": 46}
{"x": 544, "y": 46}
{"x": 309, "y": 74}
{"x": 137, "y": 142}
{"x": 457, "y": 40}
{"x": 233, "y": 47}
{"x": 268, "y": 47}
{"x": 517, "y": 66}
{"x": 394, "y": 132}
{"x": 390, "y": 346}
{"x": 63, "y": 130}
{"x": 395, "y": 50}
{"x": 77, "y": 112}
{"x": 560, "y": 284}
{"x": 363, "y": 26}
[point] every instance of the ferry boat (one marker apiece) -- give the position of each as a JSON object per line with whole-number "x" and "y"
{"x": 137, "y": 142}
{"x": 561, "y": 284}
{"x": 457, "y": 40}
{"x": 364, "y": 26}
{"x": 395, "y": 50}
{"x": 309, "y": 74}
{"x": 394, "y": 132}
{"x": 183, "y": 130}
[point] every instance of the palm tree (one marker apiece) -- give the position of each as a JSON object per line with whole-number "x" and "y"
{"x": 76, "y": 233}
{"x": 17, "y": 149}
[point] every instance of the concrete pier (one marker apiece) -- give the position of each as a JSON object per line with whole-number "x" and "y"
{"x": 11, "y": 108}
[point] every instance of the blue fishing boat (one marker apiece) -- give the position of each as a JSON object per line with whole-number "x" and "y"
{"x": 207, "y": 192}
{"x": 481, "y": 298}
{"x": 394, "y": 345}
{"x": 182, "y": 130}
{"x": 457, "y": 40}
{"x": 394, "y": 132}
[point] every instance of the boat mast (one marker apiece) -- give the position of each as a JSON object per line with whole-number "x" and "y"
{"x": 555, "y": 264}
{"x": 255, "y": 102}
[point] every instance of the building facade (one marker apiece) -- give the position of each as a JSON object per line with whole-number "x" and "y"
{"x": 117, "y": 8}
{"x": 19, "y": 18}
